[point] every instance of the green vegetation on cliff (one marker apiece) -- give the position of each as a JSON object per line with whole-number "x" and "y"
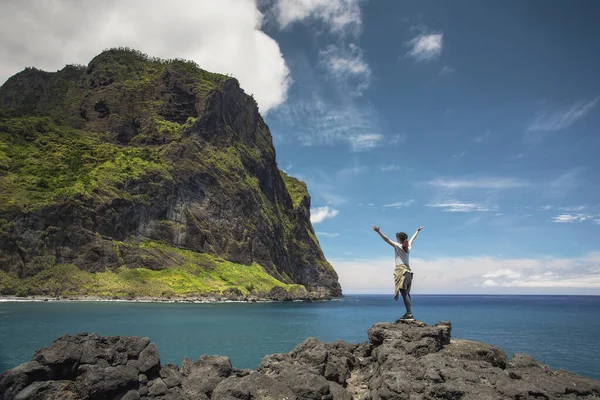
{"x": 195, "y": 275}
{"x": 135, "y": 176}
{"x": 42, "y": 162}
{"x": 296, "y": 188}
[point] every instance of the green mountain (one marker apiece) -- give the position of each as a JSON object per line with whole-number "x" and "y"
{"x": 136, "y": 176}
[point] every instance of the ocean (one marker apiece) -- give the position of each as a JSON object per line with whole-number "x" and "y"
{"x": 560, "y": 331}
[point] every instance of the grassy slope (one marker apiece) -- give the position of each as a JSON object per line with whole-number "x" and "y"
{"x": 196, "y": 275}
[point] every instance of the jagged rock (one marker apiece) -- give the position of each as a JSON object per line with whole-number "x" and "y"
{"x": 170, "y": 375}
{"x": 252, "y": 386}
{"x": 102, "y": 382}
{"x": 204, "y": 375}
{"x": 149, "y": 361}
{"x": 16, "y": 379}
{"x": 404, "y": 360}
{"x": 46, "y": 390}
{"x": 471, "y": 350}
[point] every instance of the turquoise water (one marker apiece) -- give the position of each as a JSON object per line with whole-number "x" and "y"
{"x": 561, "y": 331}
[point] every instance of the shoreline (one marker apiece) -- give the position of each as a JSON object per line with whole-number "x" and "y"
{"x": 190, "y": 300}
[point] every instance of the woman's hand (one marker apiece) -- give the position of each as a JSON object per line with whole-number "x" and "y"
{"x": 376, "y": 229}
{"x": 419, "y": 229}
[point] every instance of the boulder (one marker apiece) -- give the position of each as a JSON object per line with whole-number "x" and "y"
{"x": 203, "y": 376}
{"x": 252, "y": 386}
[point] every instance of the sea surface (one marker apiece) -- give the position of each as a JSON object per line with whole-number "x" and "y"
{"x": 561, "y": 331}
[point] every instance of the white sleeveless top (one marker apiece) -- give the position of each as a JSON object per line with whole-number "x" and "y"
{"x": 401, "y": 255}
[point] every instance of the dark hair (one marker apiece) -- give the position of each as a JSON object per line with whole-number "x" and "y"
{"x": 402, "y": 236}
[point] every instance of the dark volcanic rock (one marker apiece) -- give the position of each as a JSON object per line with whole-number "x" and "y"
{"x": 405, "y": 360}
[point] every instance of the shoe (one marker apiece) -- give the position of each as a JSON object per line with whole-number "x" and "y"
{"x": 407, "y": 317}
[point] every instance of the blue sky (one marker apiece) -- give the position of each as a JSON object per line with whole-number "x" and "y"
{"x": 477, "y": 119}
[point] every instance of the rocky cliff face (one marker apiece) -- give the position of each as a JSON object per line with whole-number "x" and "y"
{"x": 138, "y": 163}
{"x": 406, "y": 360}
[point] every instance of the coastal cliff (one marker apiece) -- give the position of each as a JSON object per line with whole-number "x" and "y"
{"x": 403, "y": 360}
{"x": 134, "y": 176}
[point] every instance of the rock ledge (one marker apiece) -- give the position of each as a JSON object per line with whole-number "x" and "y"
{"x": 403, "y": 360}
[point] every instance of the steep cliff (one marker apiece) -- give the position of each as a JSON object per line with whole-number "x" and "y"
{"x": 138, "y": 176}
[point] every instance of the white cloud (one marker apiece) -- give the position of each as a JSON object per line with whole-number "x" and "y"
{"x": 479, "y": 274}
{"x": 567, "y": 218}
{"x": 314, "y": 121}
{"x": 566, "y": 182}
{"x": 547, "y": 208}
{"x": 482, "y": 137}
{"x": 558, "y": 120}
{"x": 328, "y": 234}
{"x": 397, "y": 138}
{"x": 221, "y": 36}
{"x": 390, "y": 167}
{"x": 489, "y": 283}
{"x": 456, "y": 206}
{"x": 482, "y": 183}
{"x": 365, "y": 141}
{"x": 426, "y": 47}
{"x": 571, "y": 209}
{"x": 446, "y": 70}
{"x": 342, "y": 16}
{"x": 348, "y": 65}
{"x": 506, "y": 273}
{"x": 400, "y": 204}
{"x": 320, "y": 214}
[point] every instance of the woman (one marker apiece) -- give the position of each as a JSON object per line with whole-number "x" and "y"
{"x": 402, "y": 274}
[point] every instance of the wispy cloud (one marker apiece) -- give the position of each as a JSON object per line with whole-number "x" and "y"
{"x": 561, "y": 119}
{"x": 482, "y": 183}
{"x": 446, "y": 70}
{"x": 571, "y": 209}
{"x": 565, "y": 183}
{"x": 315, "y": 121}
{"x": 397, "y": 138}
{"x": 328, "y": 234}
{"x": 389, "y": 168}
{"x": 401, "y": 204}
{"x": 341, "y": 16}
{"x": 426, "y": 47}
{"x": 482, "y": 137}
{"x": 350, "y": 172}
{"x": 568, "y": 218}
{"x": 347, "y": 64}
{"x": 365, "y": 141}
{"x": 320, "y": 214}
{"x": 457, "y": 206}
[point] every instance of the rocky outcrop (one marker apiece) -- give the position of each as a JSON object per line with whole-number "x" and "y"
{"x": 96, "y": 161}
{"x": 403, "y": 360}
